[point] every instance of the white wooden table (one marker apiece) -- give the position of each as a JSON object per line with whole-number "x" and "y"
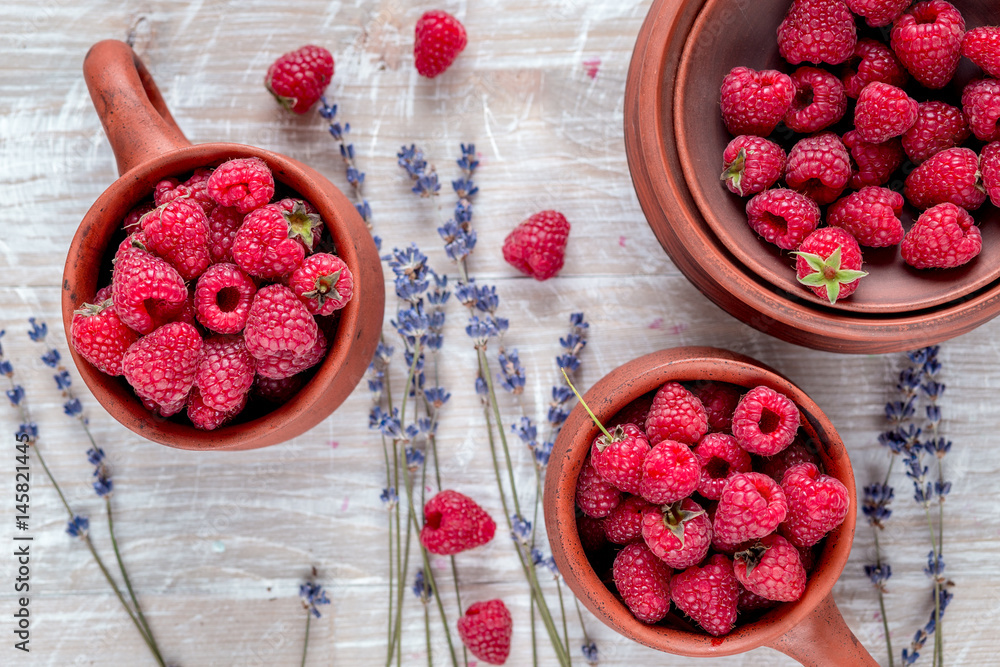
{"x": 217, "y": 544}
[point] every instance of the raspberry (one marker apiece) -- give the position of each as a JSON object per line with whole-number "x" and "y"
{"x": 222, "y": 298}
{"x": 679, "y": 534}
{"x": 592, "y": 533}
{"x": 927, "y": 39}
{"x": 146, "y": 290}
{"x": 624, "y": 523}
{"x": 982, "y": 46}
{"x": 103, "y": 294}
{"x": 878, "y": 13}
{"x": 485, "y": 629}
{"x": 939, "y": 126}
{"x": 708, "y": 594}
{"x": 206, "y": 418}
{"x": 819, "y": 167}
{"x": 883, "y": 112}
{"x": 225, "y": 373}
{"x": 277, "y": 391}
{"x": 817, "y": 31}
{"x": 720, "y": 457}
{"x": 438, "y": 39}
{"x": 161, "y": 366}
{"x": 751, "y": 601}
{"x": 273, "y": 241}
{"x": 281, "y": 365}
{"x": 99, "y": 336}
{"x": 751, "y": 164}
{"x": 595, "y": 497}
{"x": 323, "y": 282}
{"x": 537, "y": 246}
{"x": 278, "y": 322}
{"x": 870, "y": 215}
{"x": 817, "y": 504}
{"x": 670, "y": 472}
{"x": 676, "y": 415}
{"x": 178, "y": 233}
{"x": 195, "y": 188}
{"x": 298, "y": 78}
{"x": 872, "y": 61}
{"x": 633, "y": 413}
{"x": 755, "y": 102}
{"x": 872, "y": 164}
{"x": 454, "y": 523}
{"x": 135, "y": 215}
{"x": 829, "y": 263}
{"x": 796, "y": 453}
{"x": 981, "y": 105}
{"x": 772, "y": 569}
{"x": 223, "y": 223}
{"x": 164, "y": 410}
{"x": 951, "y": 175}
{"x": 643, "y": 581}
{"x": 989, "y": 166}
{"x": 719, "y": 401}
{"x": 618, "y": 460}
{"x": 245, "y": 183}
{"x": 783, "y": 217}
{"x": 943, "y": 237}
{"x": 751, "y": 506}
{"x": 765, "y": 421}
{"x": 820, "y": 100}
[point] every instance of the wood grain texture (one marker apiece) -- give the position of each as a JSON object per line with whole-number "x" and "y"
{"x": 218, "y": 543}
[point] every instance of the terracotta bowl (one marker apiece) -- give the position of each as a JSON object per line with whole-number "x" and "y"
{"x": 674, "y": 140}
{"x": 149, "y": 147}
{"x": 811, "y": 630}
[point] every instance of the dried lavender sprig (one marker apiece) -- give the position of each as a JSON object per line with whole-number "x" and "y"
{"x": 355, "y": 177}
{"x": 312, "y": 595}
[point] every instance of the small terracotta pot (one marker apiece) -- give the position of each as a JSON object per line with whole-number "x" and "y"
{"x": 811, "y": 630}
{"x": 149, "y": 147}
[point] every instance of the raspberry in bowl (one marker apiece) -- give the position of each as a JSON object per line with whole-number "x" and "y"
{"x": 797, "y": 614}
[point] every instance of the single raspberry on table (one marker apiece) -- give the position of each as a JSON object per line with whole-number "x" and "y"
{"x": 676, "y": 414}
{"x": 178, "y": 232}
{"x": 796, "y": 453}
{"x": 771, "y": 569}
{"x": 619, "y": 459}
{"x": 323, "y": 282}
{"x": 765, "y": 421}
{"x": 624, "y": 523}
{"x": 643, "y": 581}
{"x": 209, "y": 419}
{"x": 719, "y": 400}
{"x": 927, "y": 39}
{"x": 751, "y": 164}
{"x": 720, "y": 457}
{"x": 454, "y": 523}
{"x": 951, "y": 175}
{"x": 537, "y": 246}
{"x": 820, "y": 100}
{"x": 275, "y": 239}
{"x": 989, "y": 167}
{"x": 943, "y": 237}
{"x": 708, "y": 594}
{"x": 223, "y": 223}
{"x": 878, "y": 13}
{"x": 298, "y": 78}
{"x": 278, "y": 322}
{"x": 594, "y": 496}
{"x": 280, "y": 365}
{"x": 633, "y": 413}
{"x": 670, "y": 472}
{"x": 981, "y": 105}
{"x": 146, "y": 290}
{"x": 883, "y": 112}
{"x": 751, "y": 506}
{"x": 244, "y": 183}
{"x": 817, "y": 31}
{"x": 870, "y": 215}
{"x": 222, "y": 298}
{"x": 592, "y": 532}
{"x": 99, "y": 336}
{"x": 872, "y": 164}
{"x": 872, "y": 61}
{"x": 162, "y": 365}
{"x": 755, "y": 102}
{"x": 817, "y": 504}
{"x": 679, "y": 533}
{"x": 485, "y": 630}
{"x": 225, "y": 373}
{"x": 783, "y": 217}
{"x": 438, "y": 39}
{"x": 829, "y": 263}
{"x": 939, "y": 126}
{"x": 819, "y": 167}
{"x": 194, "y": 188}
{"x": 982, "y": 46}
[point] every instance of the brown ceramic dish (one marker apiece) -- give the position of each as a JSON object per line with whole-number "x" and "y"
{"x": 149, "y": 147}
{"x": 810, "y": 630}
{"x": 675, "y": 204}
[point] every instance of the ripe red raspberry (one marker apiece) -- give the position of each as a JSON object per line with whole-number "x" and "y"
{"x": 751, "y": 506}
{"x": 783, "y": 217}
{"x": 206, "y": 418}
{"x": 485, "y": 629}
{"x": 164, "y": 410}
{"x": 135, "y": 215}
{"x": 178, "y": 233}
{"x": 454, "y": 523}
{"x": 245, "y": 183}
{"x": 195, "y": 188}
{"x": 222, "y": 298}
{"x": 878, "y": 13}
{"x": 939, "y": 126}
{"x": 595, "y": 497}
{"x": 883, "y": 112}
{"x": 951, "y": 175}
{"x": 871, "y": 215}
{"x": 643, "y": 581}
{"x": 751, "y": 164}
{"x": 765, "y": 421}
{"x": 278, "y": 322}
{"x": 772, "y": 569}
{"x": 670, "y": 472}
{"x": 624, "y": 523}
{"x": 872, "y": 61}
{"x": 817, "y": 31}
{"x": 273, "y": 241}
{"x": 161, "y": 366}
{"x": 981, "y": 105}
{"x": 676, "y": 414}
{"x": 796, "y": 453}
{"x": 829, "y": 263}
{"x": 719, "y": 400}
{"x": 817, "y": 504}
{"x": 720, "y": 457}
{"x": 281, "y": 365}
{"x": 438, "y": 39}
{"x": 872, "y": 164}
{"x": 708, "y": 594}
{"x": 679, "y": 534}
{"x": 225, "y": 373}
{"x": 146, "y": 290}
{"x": 634, "y": 413}
{"x": 619, "y": 459}
{"x": 982, "y": 46}
{"x": 755, "y": 102}
{"x": 223, "y": 223}
{"x": 820, "y": 100}
{"x": 323, "y": 282}
{"x": 927, "y": 39}
{"x": 819, "y": 167}
{"x": 751, "y": 601}
{"x": 989, "y": 167}
{"x": 592, "y": 535}
{"x": 277, "y": 391}
{"x": 943, "y": 237}
{"x": 99, "y": 336}
{"x": 298, "y": 78}
{"x": 537, "y": 246}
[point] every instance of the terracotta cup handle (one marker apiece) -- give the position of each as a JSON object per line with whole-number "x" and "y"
{"x": 135, "y": 118}
{"x": 822, "y": 639}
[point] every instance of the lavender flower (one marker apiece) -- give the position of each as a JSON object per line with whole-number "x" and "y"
{"x": 78, "y": 526}
{"x": 876, "y": 503}
{"x": 385, "y": 422}
{"x": 312, "y": 596}
{"x": 355, "y": 177}
{"x": 389, "y": 497}
{"x": 511, "y": 375}
{"x": 520, "y": 529}
{"x": 590, "y": 653}
{"x": 422, "y": 588}
{"x": 103, "y": 485}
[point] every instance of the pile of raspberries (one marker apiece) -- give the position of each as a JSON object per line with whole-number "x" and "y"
{"x": 707, "y": 497}
{"x": 216, "y": 291}
{"x": 944, "y": 175}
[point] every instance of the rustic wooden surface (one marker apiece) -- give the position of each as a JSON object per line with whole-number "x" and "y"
{"x": 218, "y": 543}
